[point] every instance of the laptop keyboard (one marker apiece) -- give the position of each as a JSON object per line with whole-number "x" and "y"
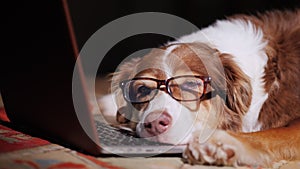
{"x": 111, "y": 136}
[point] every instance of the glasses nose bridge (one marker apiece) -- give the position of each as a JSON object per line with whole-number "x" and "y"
{"x": 162, "y": 85}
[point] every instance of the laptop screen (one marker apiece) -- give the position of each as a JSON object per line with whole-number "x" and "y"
{"x": 37, "y": 71}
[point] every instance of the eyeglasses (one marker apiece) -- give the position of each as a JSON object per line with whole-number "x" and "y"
{"x": 181, "y": 88}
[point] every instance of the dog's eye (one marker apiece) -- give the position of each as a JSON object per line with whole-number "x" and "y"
{"x": 143, "y": 91}
{"x": 190, "y": 85}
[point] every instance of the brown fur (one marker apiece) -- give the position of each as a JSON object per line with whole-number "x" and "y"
{"x": 282, "y": 31}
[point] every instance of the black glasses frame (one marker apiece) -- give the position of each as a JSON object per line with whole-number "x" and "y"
{"x": 206, "y": 80}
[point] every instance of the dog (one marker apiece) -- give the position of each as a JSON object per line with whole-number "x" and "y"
{"x": 229, "y": 91}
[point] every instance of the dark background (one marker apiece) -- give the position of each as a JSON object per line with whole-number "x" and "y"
{"x": 30, "y": 30}
{"x": 89, "y": 16}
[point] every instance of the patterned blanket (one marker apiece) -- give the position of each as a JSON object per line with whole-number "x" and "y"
{"x": 21, "y": 151}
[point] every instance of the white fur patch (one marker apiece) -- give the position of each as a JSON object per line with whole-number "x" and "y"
{"x": 107, "y": 105}
{"x": 245, "y": 42}
{"x": 166, "y": 67}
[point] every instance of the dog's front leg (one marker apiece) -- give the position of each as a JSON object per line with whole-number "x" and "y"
{"x": 257, "y": 148}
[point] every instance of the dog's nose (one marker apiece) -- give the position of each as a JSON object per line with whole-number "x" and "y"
{"x": 157, "y": 122}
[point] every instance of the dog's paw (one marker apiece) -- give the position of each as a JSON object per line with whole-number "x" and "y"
{"x": 220, "y": 149}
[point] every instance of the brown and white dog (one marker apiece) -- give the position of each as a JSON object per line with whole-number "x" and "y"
{"x": 248, "y": 113}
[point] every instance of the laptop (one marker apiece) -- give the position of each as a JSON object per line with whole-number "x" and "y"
{"x": 36, "y": 85}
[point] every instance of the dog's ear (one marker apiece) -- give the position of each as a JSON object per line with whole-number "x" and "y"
{"x": 238, "y": 89}
{"x": 125, "y": 71}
